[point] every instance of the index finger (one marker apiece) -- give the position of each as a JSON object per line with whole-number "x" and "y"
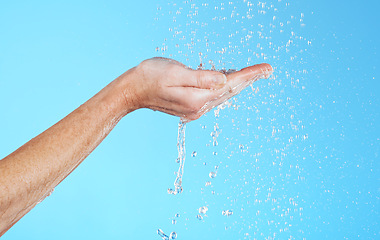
{"x": 239, "y": 80}
{"x": 236, "y": 82}
{"x": 258, "y": 71}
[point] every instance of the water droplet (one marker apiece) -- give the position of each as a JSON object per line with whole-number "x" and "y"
{"x": 45, "y": 196}
{"x": 199, "y": 217}
{"x": 177, "y": 215}
{"x": 194, "y": 154}
{"x": 212, "y": 174}
{"x": 203, "y": 210}
{"x": 173, "y": 235}
{"x": 51, "y": 191}
{"x": 208, "y": 183}
{"x": 227, "y": 213}
{"x": 174, "y": 221}
{"x": 162, "y": 234}
{"x": 215, "y": 134}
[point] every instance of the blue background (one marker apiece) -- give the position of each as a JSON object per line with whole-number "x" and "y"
{"x": 298, "y": 155}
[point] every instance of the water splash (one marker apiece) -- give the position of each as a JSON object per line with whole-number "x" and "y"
{"x": 212, "y": 174}
{"x": 227, "y": 213}
{"x": 194, "y": 154}
{"x": 162, "y": 234}
{"x": 173, "y": 235}
{"x": 256, "y": 34}
{"x": 181, "y": 158}
{"x": 214, "y": 134}
{"x": 203, "y": 210}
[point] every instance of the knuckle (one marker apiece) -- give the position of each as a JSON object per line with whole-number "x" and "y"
{"x": 144, "y": 63}
{"x": 200, "y": 76}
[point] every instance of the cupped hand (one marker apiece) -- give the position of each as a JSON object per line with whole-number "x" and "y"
{"x": 169, "y": 86}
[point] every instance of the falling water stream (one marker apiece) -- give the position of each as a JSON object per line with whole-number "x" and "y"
{"x": 180, "y": 159}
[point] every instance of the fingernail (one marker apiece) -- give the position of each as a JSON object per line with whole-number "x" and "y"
{"x": 267, "y": 72}
{"x": 220, "y": 79}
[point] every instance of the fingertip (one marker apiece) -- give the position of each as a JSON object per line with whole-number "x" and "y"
{"x": 266, "y": 69}
{"x": 263, "y": 70}
{"x": 265, "y": 66}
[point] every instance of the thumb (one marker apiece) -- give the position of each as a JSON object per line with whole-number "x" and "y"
{"x": 207, "y": 79}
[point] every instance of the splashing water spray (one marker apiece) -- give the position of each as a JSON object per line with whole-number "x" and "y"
{"x": 172, "y": 235}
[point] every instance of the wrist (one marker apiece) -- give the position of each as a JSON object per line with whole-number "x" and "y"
{"x": 122, "y": 94}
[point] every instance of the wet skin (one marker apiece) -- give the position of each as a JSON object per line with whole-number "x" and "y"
{"x": 30, "y": 173}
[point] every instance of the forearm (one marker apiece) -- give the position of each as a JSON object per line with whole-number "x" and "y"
{"x": 32, "y": 171}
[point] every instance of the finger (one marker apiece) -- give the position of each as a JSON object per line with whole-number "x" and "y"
{"x": 196, "y": 97}
{"x": 192, "y": 99}
{"x": 203, "y": 79}
{"x": 168, "y": 60}
{"x": 258, "y": 71}
{"x": 236, "y": 82}
{"x": 207, "y": 79}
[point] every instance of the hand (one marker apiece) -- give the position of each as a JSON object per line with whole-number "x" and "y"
{"x": 169, "y": 86}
